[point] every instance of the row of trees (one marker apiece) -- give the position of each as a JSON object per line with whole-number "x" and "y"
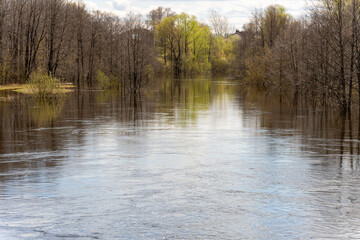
{"x": 317, "y": 55}
{"x": 65, "y": 40}
{"x": 62, "y": 38}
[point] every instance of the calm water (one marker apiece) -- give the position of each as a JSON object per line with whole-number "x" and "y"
{"x": 195, "y": 159}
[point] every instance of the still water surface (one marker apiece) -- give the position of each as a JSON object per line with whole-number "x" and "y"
{"x": 192, "y": 159}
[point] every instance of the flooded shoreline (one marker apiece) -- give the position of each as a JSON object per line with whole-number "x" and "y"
{"x": 200, "y": 159}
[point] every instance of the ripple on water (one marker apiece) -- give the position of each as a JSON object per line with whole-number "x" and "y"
{"x": 198, "y": 160}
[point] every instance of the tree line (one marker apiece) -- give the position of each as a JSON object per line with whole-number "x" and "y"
{"x": 317, "y": 55}
{"x": 64, "y": 40}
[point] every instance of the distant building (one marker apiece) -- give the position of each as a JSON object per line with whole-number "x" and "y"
{"x": 238, "y": 34}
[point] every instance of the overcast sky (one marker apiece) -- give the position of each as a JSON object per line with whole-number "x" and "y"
{"x": 237, "y": 11}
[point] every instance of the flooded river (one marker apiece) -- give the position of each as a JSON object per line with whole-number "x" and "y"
{"x": 191, "y": 159}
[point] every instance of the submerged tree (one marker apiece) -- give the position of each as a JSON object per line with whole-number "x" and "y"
{"x": 139, "y": 49}
{"x": 65, "y": 40}
{"x": 317, "y": 56}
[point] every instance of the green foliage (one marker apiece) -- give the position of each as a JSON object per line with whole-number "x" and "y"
{"x": 222, "y": 54}
{"x": 188, "y": 46}
{"x": 44, "y": 85}
{"x": 256, "y": 72}
{"x": 107, "y": 83}
{"x": 274, "y": 23}
{"x": 184, "y": 43}
{"x": 201, "y": 47}
{"x": 219, "y": 65}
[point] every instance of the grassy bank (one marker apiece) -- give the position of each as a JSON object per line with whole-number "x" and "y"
{"x": 30, "y": 89}
{"x": 12, "y": 87}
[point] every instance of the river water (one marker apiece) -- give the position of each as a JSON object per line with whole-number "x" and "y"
{"x": 190, "y": 159}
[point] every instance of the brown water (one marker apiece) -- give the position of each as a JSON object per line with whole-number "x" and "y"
{"x": 192, "y": 159}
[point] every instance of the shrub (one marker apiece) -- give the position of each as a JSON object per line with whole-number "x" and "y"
{"x": 106, "y": 82}
{"x": 220, "y": 65}
{"x": 44, "y": 85}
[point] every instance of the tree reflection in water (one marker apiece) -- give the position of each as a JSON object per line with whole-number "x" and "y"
{"x": 211, "y": 149}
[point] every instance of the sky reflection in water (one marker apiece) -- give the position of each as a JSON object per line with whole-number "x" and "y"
{"x": 200, "y": 159}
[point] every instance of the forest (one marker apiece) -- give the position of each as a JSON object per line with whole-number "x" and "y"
{"x": 65, "y": 41}
{"x": 316, "y": 56}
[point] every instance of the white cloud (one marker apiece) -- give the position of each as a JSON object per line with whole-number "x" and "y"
{"x": 238, "y": 12}
{"x": 91, "y": 5}
{"x": 120, "y": 5}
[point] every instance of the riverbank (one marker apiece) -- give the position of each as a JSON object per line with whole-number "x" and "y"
{"x": 30, "y": 89}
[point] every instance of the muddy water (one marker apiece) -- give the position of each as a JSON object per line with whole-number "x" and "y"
{"x": 190, "y": 159}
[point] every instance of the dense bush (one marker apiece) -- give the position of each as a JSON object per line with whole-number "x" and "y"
{"x": 105, "y": 82}
{"x": 44, "y": 85}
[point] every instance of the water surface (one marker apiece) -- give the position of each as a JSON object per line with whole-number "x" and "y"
{"x": 190, "y": 159}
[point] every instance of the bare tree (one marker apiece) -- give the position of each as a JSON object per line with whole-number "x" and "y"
{"x": 156, "y": 15}
{"x": 219, "y": 25}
